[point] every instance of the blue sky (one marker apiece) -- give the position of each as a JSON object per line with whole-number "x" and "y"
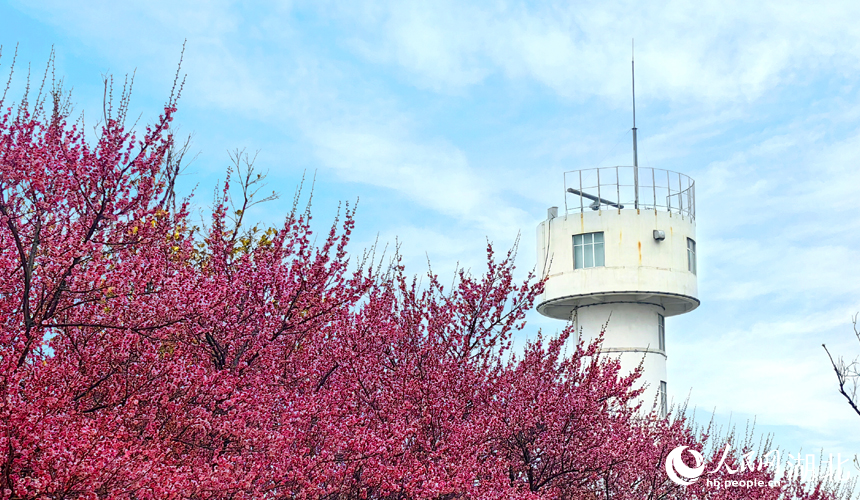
{"x": 453, "y": 124}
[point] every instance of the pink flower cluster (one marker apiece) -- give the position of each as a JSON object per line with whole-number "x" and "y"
{"x": 142, "y": 357}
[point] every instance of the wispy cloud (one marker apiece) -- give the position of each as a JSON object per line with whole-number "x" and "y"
{"x": 688, "y": 51}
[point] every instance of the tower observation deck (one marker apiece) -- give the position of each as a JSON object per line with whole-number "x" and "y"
{"x": 624, "y": 251}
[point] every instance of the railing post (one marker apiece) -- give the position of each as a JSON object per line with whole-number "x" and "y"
{"x": 599, "y": 204}
{"x": 565, "y": 193}
{"x": 668, "y": 192}
{"x": 654, "y": 187}
{"x": 581, "y": 207}
{"x": 693, "y": 190}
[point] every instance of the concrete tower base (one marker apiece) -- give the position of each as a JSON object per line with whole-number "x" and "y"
{"x": 632, "y": 335}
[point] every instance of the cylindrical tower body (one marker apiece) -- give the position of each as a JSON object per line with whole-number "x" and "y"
{"x": 629, "y": 269}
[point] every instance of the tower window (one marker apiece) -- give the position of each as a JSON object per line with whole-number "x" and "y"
{"x": 664, "y": 399}
{"x": 587, "y": 250}
{"x": 661, "y": 332}
{"x": 691, "y": 256}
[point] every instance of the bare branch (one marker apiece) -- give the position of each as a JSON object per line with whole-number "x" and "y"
{"x": 844, "y": 375}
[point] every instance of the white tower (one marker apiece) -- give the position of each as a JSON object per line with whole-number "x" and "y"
{"x": 624, "y": 246}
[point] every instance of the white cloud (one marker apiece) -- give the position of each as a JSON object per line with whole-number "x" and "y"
{"x": 774, "y": 368}
{"x": 687, "y": 50}
{"x": 432, "y": 174}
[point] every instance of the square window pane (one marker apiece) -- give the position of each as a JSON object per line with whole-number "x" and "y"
{"x": 598, "y": 254}
{"x": 588, "y": 250}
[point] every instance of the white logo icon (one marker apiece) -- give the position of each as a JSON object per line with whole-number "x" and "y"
{"x": 678, "y": 472}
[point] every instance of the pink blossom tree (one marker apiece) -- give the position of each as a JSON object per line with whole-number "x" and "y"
{"x": 144, "y": 357}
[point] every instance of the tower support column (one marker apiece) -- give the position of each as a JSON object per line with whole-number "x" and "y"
{"x": 632, "y": 336}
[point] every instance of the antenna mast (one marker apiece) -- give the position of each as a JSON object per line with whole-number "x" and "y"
{"x": 635, "y": 153}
